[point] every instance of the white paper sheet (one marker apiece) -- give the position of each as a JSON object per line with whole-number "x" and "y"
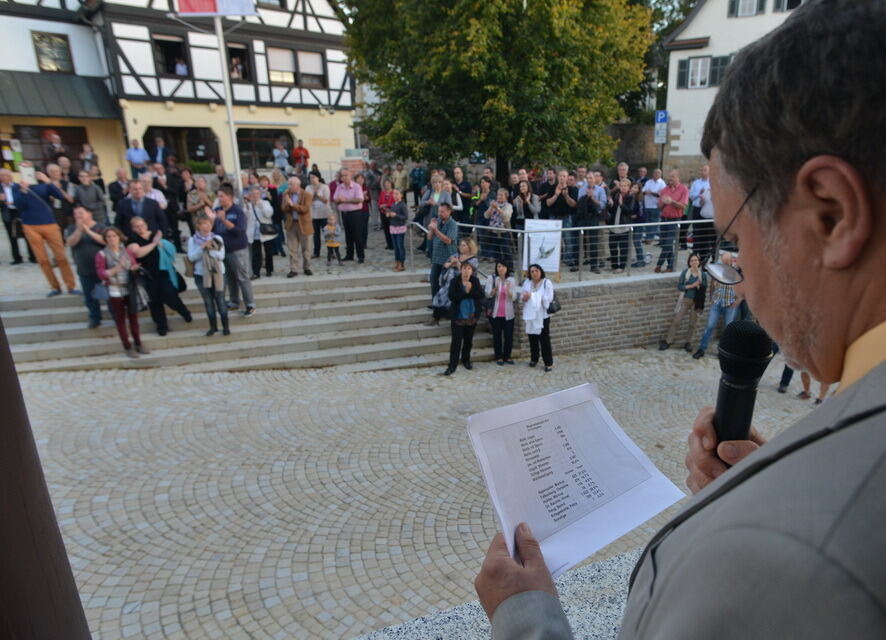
{"x": 562, "y": 464}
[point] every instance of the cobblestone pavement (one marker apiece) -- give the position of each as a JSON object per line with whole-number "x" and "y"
{"x": 311, "y": 503}
{"x": 27, "y": 279}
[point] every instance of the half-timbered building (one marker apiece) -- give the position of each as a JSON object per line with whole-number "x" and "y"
{"x": 287, "y": 64}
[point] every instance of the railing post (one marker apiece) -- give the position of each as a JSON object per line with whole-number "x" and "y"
{"x": 409, "y": 247}
{"x": 581, "y": 253}
{"x": 630, "y": 245}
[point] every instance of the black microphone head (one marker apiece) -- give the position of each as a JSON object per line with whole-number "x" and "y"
{"x": 745, "y": 350}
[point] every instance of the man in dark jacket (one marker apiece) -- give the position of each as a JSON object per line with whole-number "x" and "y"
{"x": 137, "y": 204}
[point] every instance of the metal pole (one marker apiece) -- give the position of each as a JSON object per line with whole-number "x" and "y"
{"x": 410, "y": 260}
{"x": 229, "y": 106}
{"x": 661, "y": 158}
{"x": 581, "y": 253}
{"x": 630, "y": 244}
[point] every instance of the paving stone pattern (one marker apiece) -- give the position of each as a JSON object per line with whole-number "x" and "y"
{"x": 312, "y": 503}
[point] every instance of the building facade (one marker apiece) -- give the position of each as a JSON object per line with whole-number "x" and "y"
{"x": 700, "y": 51}
{"x": 287, "y": 64}
{"x": 54, "y": 80}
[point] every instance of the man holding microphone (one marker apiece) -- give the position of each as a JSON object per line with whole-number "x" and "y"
{"x": 789, "y": 542}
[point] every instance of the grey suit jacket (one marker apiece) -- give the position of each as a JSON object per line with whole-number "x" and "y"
{"x": 790, "y": 543}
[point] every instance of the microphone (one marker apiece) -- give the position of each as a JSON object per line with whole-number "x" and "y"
{"x": 745, "y": 351}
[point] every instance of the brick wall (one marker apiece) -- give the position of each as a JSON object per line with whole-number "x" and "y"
{"x": 616, "y": 313}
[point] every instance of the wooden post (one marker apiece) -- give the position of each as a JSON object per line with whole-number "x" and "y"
{"x": 38, "y": 596}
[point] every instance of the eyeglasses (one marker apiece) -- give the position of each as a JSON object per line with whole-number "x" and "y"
{"x": 726, "y": 273}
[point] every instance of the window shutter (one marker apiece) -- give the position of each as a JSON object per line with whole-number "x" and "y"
{"x": 718, "y": 70}
{"x": 310, "y": 62}
{"x": 733, "y": 8}
{"x": 683, "y": 74}
{"x": 761, "y": 6}
{"x": 280, "y": 60}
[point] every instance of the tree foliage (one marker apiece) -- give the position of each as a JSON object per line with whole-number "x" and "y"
{"x": 533, "y": 79}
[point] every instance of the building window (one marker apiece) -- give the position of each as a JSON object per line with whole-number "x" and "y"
{"x": 310, "y": 70}
{"x": 238, "y": 62}
{"x": 273, "y": 4}
{"x": 53, "y": 52}
{"x": 743, "y": 8}
{"x": 171, "y": 56}
{"x": 787, "y": 5}
{"x": 701, "y": 72}
{"x": 281, "y": 66}
{"x": 256, "y": 146}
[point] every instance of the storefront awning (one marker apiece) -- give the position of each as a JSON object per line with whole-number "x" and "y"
{"x": 55, "y": 95}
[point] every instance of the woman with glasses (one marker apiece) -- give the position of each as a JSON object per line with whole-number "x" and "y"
{"x": 692, "y": 286}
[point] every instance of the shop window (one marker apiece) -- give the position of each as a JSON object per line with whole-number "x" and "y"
{"x": 53, "y": 52}
{"x": 36, "y": 142}
{"x": 196, "y": 147}
{"x": 281, "y": 65}
{"x": 171, "y": 55}
{"x": 256, "y": 146}
{"x": 238, "y": 62}
{"x": 311, "y": 70}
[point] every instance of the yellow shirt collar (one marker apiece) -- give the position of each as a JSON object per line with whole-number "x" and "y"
{"x": 868, "y": 351}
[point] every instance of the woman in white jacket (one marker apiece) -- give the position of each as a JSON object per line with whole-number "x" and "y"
{"x": 538, "y": 293}
{"x": 500, "y": 286}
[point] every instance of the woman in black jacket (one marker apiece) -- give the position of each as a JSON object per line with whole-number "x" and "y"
{"x": 621, "y": 212}
{"x": 465, "y": 293}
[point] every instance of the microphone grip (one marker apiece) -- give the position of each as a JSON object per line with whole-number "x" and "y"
{"x": 735, "y": 408}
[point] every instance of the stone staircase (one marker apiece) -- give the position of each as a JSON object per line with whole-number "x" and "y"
{"x": 365, "y": 321}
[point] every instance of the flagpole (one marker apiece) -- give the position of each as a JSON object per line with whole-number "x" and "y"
{"x": 229, "y": 106}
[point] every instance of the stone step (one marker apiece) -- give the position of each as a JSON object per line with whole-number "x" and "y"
{"x": 347, "y": 298}
{"x": 77, "y": 329}
{"x": 191, "y": 335}
{"x": 364, "y": 358}
{"x": 262, "y": 286}
{"x": 320, "y": 350}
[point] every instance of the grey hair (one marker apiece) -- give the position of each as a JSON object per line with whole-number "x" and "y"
{"x": 805, "y": 89}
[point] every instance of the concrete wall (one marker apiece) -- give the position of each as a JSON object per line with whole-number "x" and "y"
{"x": 636, "y": 145}
{"x": 612, "y": 314}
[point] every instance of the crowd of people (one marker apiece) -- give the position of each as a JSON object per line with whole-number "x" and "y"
{"x": 291, "y": 212}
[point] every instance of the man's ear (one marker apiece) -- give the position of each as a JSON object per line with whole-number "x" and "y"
{"x": 839, "y": 211}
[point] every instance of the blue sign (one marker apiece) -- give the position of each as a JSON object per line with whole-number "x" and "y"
{"x": 661, "y": 116}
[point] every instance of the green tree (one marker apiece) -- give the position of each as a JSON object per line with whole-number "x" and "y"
{"x": 514, "y": 79}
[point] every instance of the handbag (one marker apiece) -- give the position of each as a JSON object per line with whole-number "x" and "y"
{"x": 264, "y": 228}
{"x": 189, "y": 267}
{"x": 100, "y": 292}
{"x": 555, "y": 305}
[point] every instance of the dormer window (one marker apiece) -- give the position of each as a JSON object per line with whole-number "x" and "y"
{"x": 53, "y": 52}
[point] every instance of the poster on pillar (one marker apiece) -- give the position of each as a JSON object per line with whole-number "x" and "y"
{"x": 541, "y": 244}
{"x": 216, "y": 8}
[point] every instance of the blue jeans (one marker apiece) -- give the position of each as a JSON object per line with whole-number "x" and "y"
{"x": 652, "y": 215}
{"x": 638, "y": 247}
{"x": 399, "y": 249}
{"x": 668, "y": 237}
{"x": 570, "y": 240}
{"x": 87, "y": 284}
{"x": 718, "y": 310}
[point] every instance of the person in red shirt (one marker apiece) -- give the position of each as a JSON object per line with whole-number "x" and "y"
{"x": 300, "y": 156}
{"x": 672, "y": 200}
